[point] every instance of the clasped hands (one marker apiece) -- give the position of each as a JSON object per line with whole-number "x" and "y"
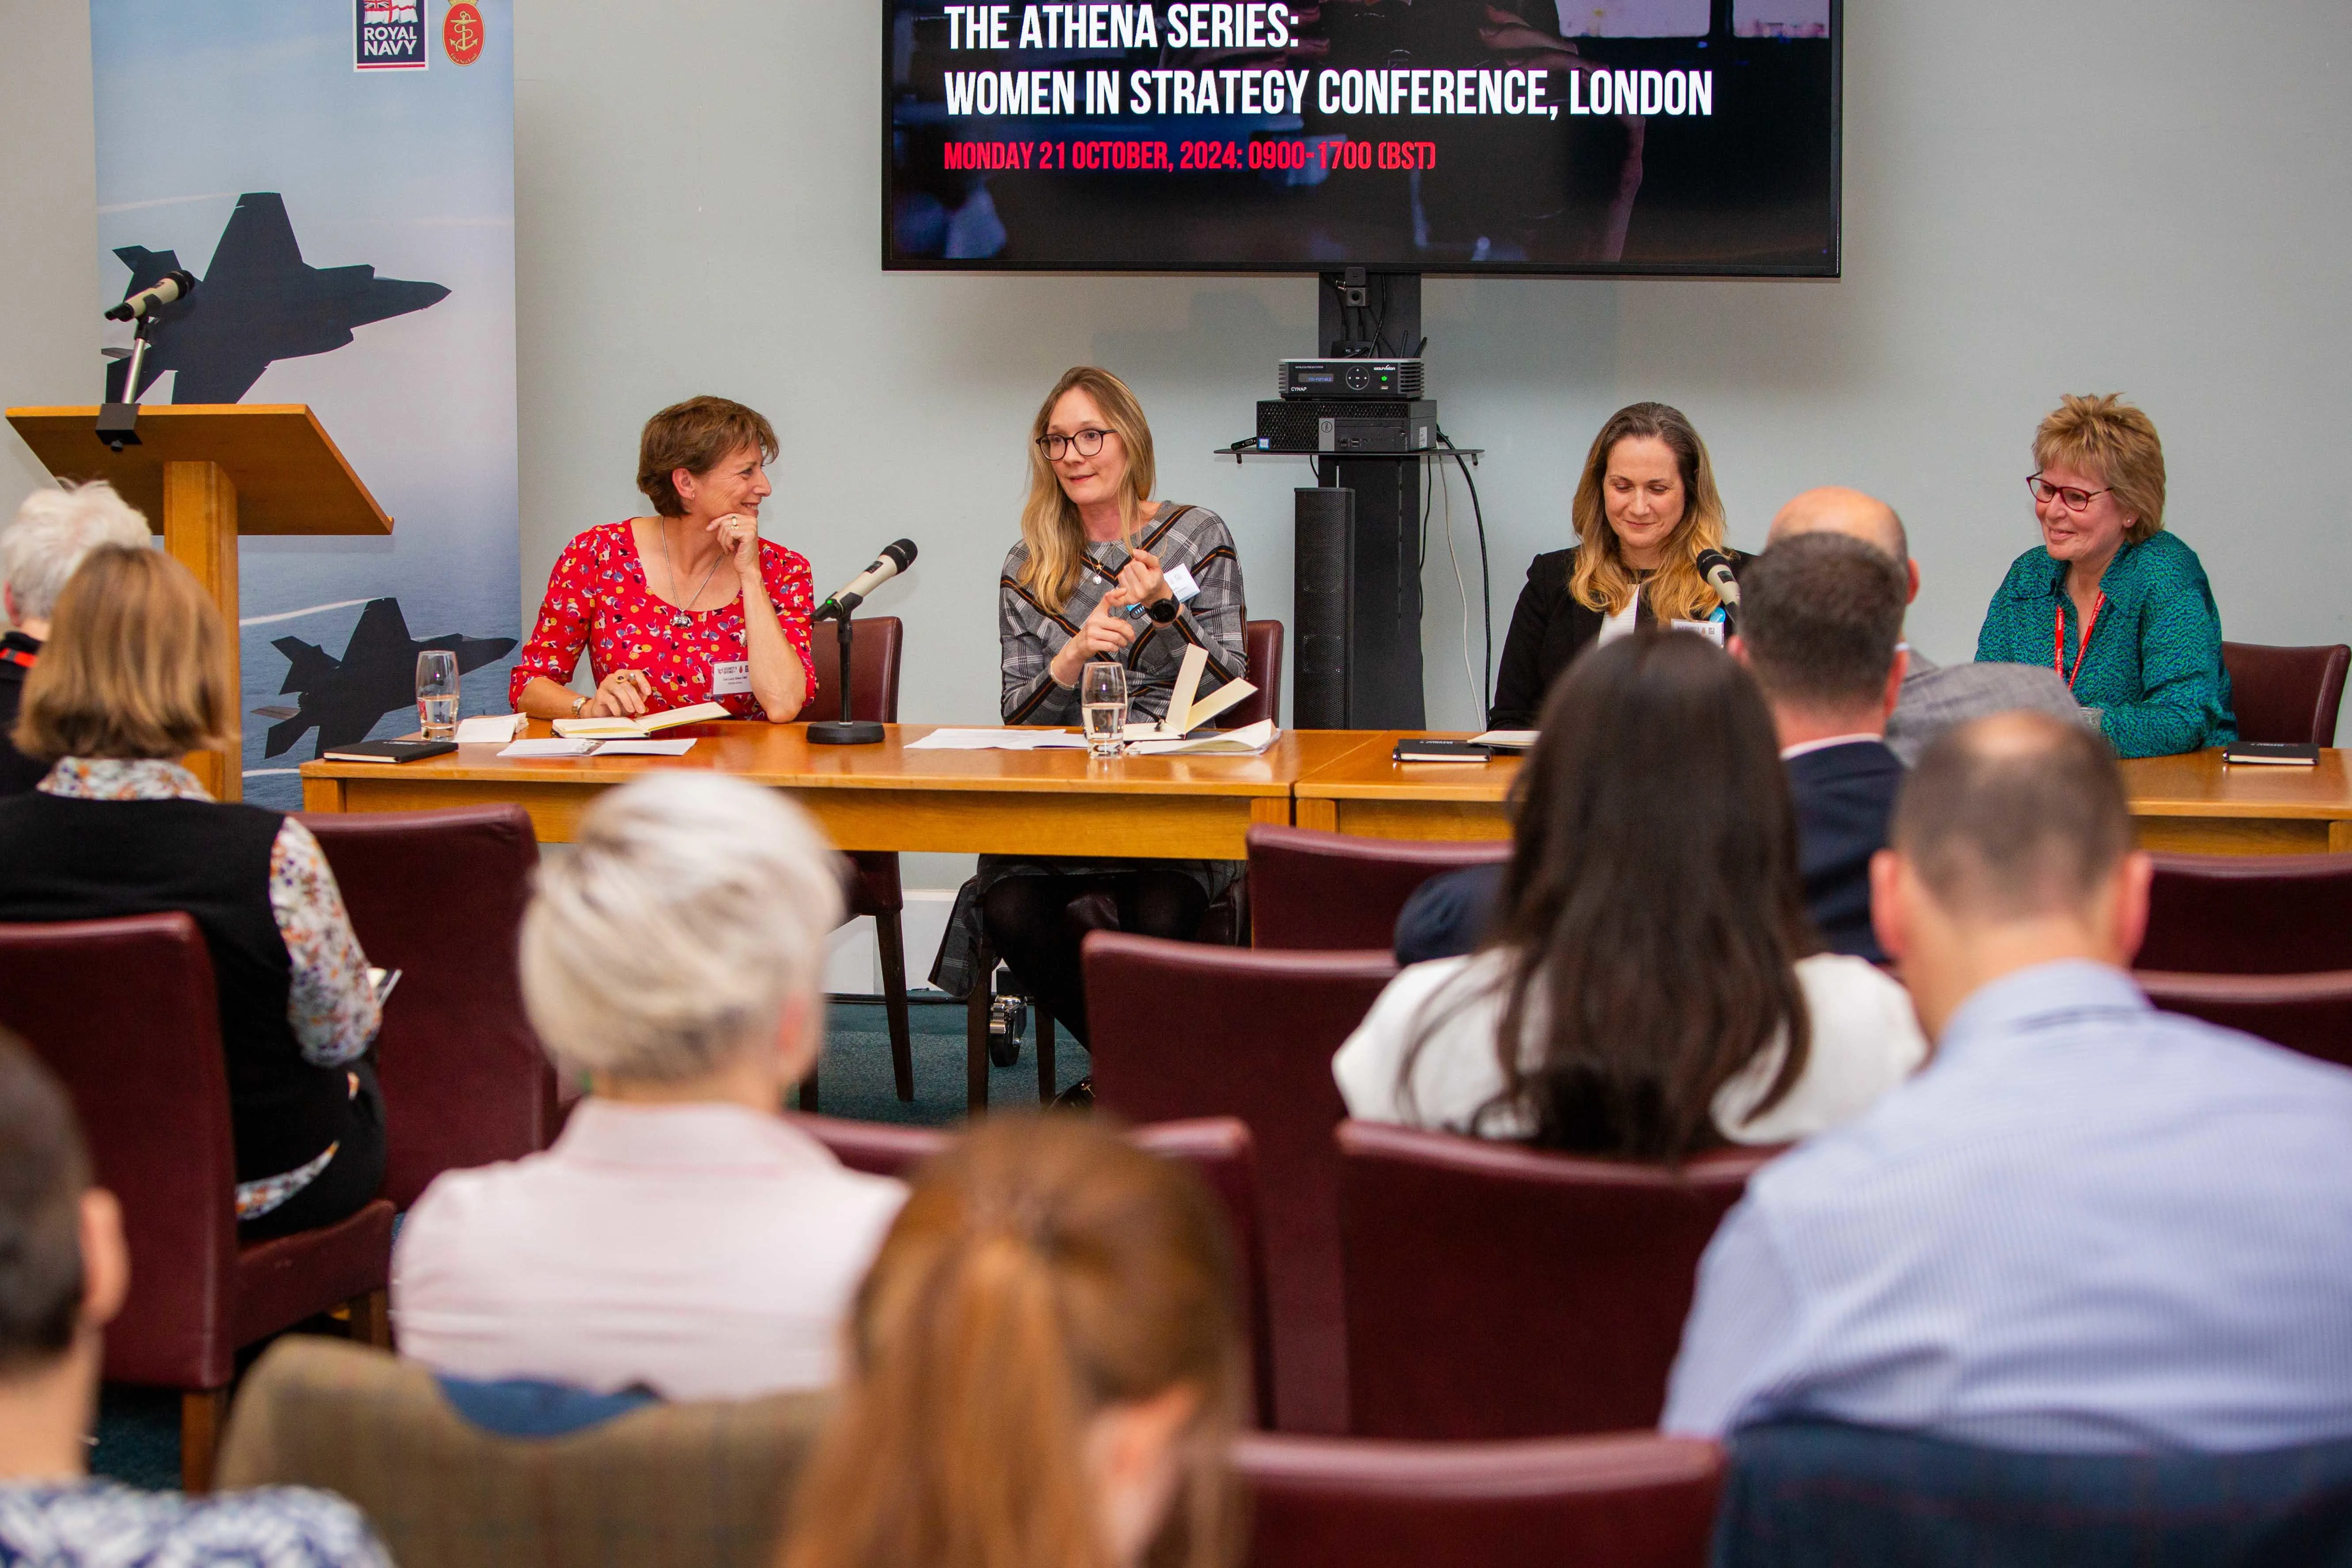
{"x": 1107, "y": 630}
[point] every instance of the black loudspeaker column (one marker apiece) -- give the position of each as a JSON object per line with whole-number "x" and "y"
{"x": 1323, "y": 595}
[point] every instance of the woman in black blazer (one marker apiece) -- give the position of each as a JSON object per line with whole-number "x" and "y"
{"x": 1644, "y": 510}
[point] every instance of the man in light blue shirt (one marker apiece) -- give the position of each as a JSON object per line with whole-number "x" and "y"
{"x": 2086, "y": 1226}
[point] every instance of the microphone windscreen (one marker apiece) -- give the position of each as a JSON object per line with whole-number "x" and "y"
{"x": 901, "y": 553}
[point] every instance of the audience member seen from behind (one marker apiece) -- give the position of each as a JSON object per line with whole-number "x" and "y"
{"x": 64, "y": 1274}
{"x": 1821, "y": 628}
{"x": 689, "y": 605}
{"x": 1935, "y": 697}
{"x": 1102, "y": 572}
{"x": 680, "y": 1235}
{"x": 55, "y": 528}
{"x": 2088, "y": 1226}
{"x": 2114, "y": 605}
{"x": 1045, "y": 1368}
{"x": 135, "y": 675}
{"x": 1651, "y": 988}
{"x": 1645, "y": 506}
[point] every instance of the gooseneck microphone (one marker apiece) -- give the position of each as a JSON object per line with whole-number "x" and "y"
{"x": 172, "y": 286}
{"x": 1715, "y": 567}
{"x": 894, "y": 559}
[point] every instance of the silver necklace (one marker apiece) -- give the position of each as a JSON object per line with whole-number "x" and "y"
{"x": 684, "y": 617}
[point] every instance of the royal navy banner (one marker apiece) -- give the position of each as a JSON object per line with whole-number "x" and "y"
{"x": 339, "y": 175}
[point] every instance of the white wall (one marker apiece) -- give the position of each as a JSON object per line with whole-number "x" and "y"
{"x": 2039, "y": 198}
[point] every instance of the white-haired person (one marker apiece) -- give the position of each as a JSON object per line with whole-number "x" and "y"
{"x": 681, "y": 1237}
{"x": 54, "y": 529}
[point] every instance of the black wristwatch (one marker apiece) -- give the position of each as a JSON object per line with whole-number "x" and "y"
{"x": 1162, "y": 610}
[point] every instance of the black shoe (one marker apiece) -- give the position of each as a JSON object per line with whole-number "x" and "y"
{"x": 1079, "y": 1096}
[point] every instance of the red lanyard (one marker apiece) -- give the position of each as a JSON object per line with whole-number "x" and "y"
{"x": 2058, "y": 640}
{"x": 18, "y": 657}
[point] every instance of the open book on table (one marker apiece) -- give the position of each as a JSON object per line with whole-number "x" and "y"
{"x": 643, "y": 725}
{"x": 1185, "y": 714}
{"x": 1247, "y": 741}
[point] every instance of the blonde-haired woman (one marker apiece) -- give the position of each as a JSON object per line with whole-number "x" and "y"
{"x": 681, "y": 1236}
{"x": 1102, "y": 572}
{"x": 1644, "y": 510}
{"x": 134, "y": 675}
{"x": 2120, "y": 608}
{"x": 1045, "y": 1368}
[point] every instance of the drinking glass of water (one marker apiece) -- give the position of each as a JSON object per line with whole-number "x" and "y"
{"x": 437, "y": 694}
{"x": 1102, "y": 699}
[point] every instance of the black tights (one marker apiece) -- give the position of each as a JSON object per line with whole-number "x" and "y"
{"x": 1036, "y": 923}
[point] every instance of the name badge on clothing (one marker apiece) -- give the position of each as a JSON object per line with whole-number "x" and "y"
{"x": 1711, "y": 630}
{"x": 1181, "y": 582}
{"x": 731, "y": 678}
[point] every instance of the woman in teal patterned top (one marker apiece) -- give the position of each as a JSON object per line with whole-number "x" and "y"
{"x": 2120, "y": 608}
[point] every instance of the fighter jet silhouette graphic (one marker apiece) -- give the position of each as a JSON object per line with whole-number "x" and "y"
{"x": 343, "y": 698}
{"x": 258, "y": 302}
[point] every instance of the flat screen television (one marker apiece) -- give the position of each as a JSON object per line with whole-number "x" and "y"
{"x": 1607, "y": 137}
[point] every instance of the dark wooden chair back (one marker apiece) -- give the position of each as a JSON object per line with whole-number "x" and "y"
{"x": 1500, "y": 1291}
{"x": 2286, "y": 694}
{"x": 1333, "y": 891}
{"x": 2249, "y": 914}
{"x": 1184, "y": 1030}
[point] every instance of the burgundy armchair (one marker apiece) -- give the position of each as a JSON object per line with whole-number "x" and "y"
{"x": 123, "y": 1012}
{"x": 1315, "y": 889}
{"x": 1496, "y": 1290}
{"x": 2286, "y": 693}
{"x": 439, "y": 896}
{"x": 1632, "y": 1499}
{"x": 1184, "y": 1030}
{"x": 2249, "y": 914}
{"x": 2306, "y": 1012}
{"x": 1218, "y": 1147}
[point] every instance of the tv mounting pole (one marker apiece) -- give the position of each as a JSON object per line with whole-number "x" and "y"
{"x": 1358, "y": 583}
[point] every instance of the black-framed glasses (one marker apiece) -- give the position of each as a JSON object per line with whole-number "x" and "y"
{"x": 1088, "y": 442}
{"x": 2074, "y": 498}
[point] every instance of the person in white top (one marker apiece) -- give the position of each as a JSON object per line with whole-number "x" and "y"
{"x": 681, "y": 1237}
{"x": 1651, "y": 965}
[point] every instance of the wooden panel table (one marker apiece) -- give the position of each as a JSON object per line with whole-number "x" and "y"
{"x": 2191, "y": 803}
{"x": 888, "y": 797}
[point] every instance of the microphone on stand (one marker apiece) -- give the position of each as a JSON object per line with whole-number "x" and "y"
{"x": 1715, "y": 567}
{"x": 170, "y": 286}
{"x": 894, "y": 559}
{"x": 845, "y": 730}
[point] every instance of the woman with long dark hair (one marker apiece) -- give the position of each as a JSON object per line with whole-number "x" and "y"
{"x": 1652, "y": 987}
{"x": 1645, "y": 506}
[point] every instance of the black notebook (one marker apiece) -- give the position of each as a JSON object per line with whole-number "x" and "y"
{"x": 2275, "y": 754}
{"x": 390, "y": 751}
{"x": 1429, "y": 749}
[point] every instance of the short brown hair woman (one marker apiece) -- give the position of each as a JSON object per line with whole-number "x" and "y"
{"x": 1044, "y": 1368}
{"x": 1645, "y": 506}
{"x": 2120, "y": 608}
{"x": 1652, "y": 987}
{"x": 689, "y": 605}
{"x": 135, "y": 675}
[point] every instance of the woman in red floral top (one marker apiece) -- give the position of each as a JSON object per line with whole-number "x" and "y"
{"x": 689, "y": 605}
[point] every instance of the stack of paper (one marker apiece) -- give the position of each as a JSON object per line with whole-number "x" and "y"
{"x": 1249, "y": 741}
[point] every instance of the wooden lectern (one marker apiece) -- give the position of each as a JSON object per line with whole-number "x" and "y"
{"x": 204, "y": 473}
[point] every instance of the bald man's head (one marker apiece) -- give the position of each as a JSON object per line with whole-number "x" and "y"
{"x": 1837, "y": 509}
{"x": 2013, "y": 816}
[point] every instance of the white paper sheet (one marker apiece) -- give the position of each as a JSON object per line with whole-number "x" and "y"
{"x": 646, "y": 748}
{"x": 997, "y": 740}
{"x": 487, "y": 727}
{"x": 1508, "y": 740}
{"x": 555, "y": 747}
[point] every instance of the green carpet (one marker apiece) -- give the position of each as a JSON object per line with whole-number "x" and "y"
{"x": 138, "y": 1428}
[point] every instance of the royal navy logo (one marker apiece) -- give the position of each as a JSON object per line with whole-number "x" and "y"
{"x": 462, "y": 34}
{"x": 389, "y": 36}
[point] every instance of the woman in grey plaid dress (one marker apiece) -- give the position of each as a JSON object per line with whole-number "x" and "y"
{"x": 1102, "y": 572}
